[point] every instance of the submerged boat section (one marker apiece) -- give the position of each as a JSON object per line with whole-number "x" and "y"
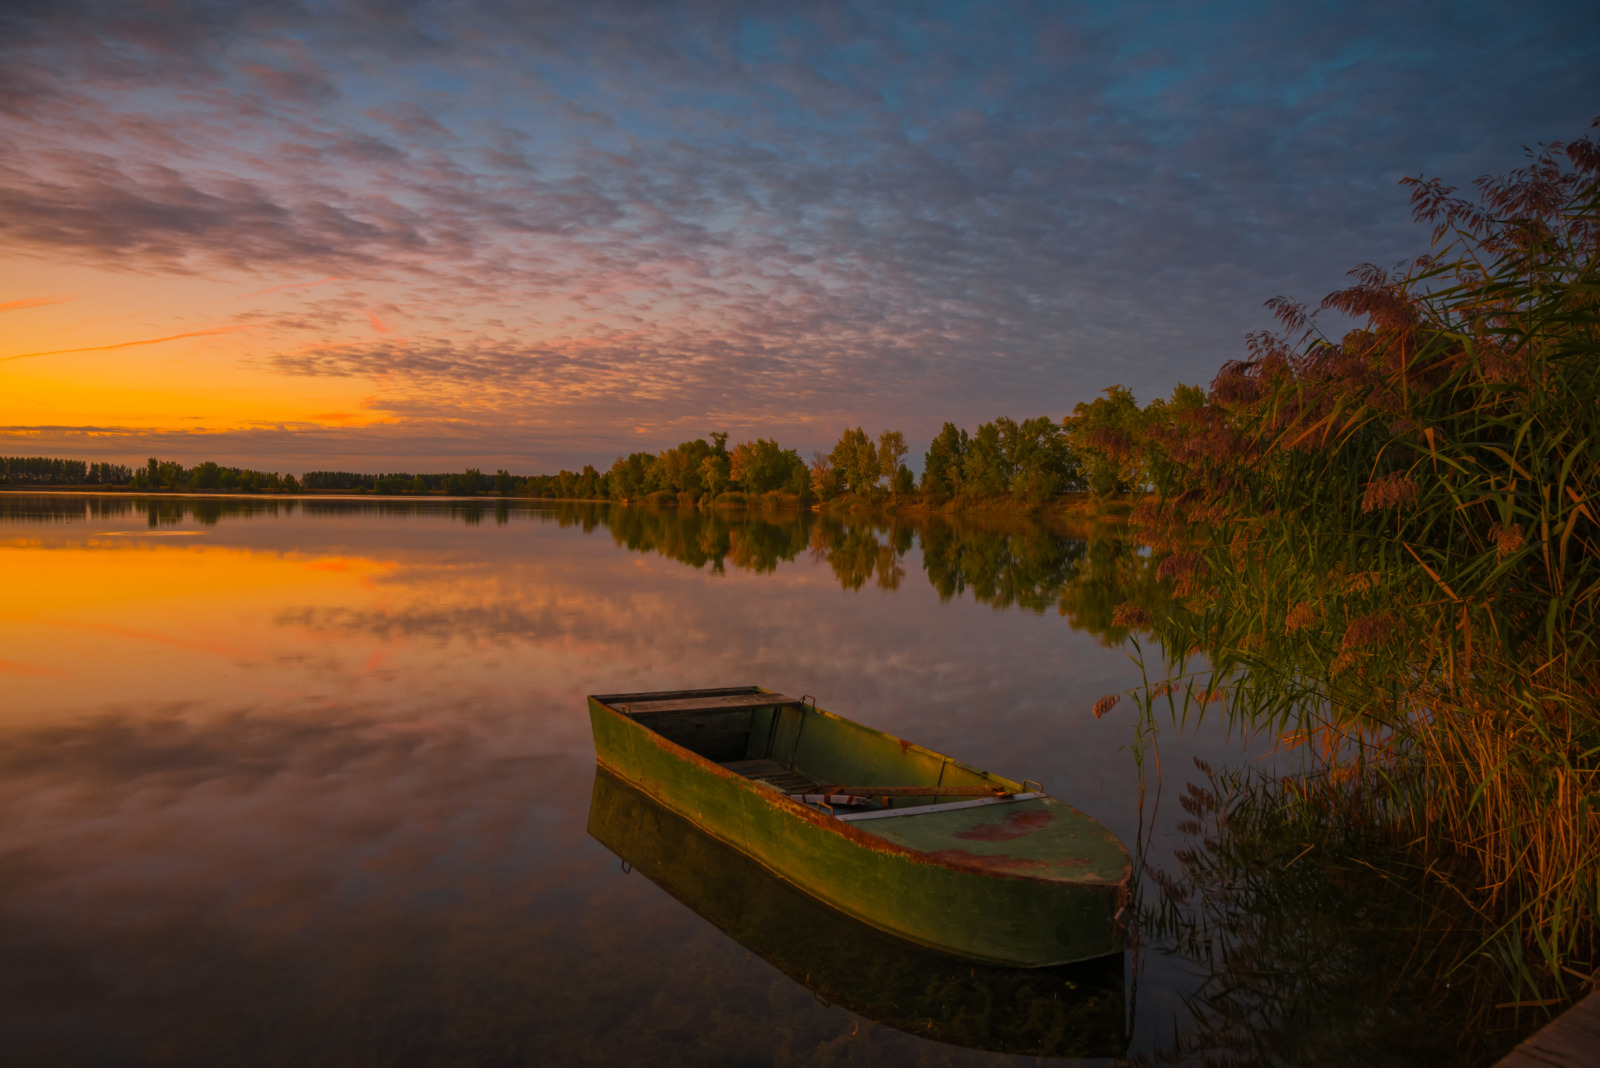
{"x": 1075, "y": 1010}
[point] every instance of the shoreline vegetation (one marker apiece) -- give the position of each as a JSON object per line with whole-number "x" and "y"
{"x": 1037, "y": 466}
{"x": 1381, "y": 547}
{"x": 1070, "y": 506}
{"x": 1385, "y": 548}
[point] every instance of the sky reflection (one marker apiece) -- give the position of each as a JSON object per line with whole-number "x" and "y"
{"x": 311, "y": 785}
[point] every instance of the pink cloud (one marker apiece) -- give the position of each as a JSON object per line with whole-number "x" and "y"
{"x": 125, "y": 344}
{"x": 35, "y": 302}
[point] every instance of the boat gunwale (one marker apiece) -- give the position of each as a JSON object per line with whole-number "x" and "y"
{"x": 845, "y": 829}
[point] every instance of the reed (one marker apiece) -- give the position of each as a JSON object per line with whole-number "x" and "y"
{"x": 1387, "y": 548}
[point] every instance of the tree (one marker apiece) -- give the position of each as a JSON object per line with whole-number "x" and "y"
{"x": 633, "y": 475}
{"x": 854, "y": 461}
{"x": 824, "y": 479}
{"x": 587, "y": 485}
{"x": 891, "y": 450}
{"x": 904, "y": 480}
{"x": 763, "y": 465}
{"x": 984, "y": 471}
{"x": 1105, "y": 433}
{"x": 942, "y": 466}
{"x": 715, "y": 472}
{"x": 1040, "y": 462}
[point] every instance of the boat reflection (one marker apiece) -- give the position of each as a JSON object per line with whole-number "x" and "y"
{"x": 1069, "y": 1011}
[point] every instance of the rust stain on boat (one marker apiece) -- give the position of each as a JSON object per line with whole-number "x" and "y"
{"x": 989, "y": 861}
{"x": 1015, "y": 825}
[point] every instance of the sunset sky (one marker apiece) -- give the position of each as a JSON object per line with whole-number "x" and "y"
{"x": 423, "y": 236}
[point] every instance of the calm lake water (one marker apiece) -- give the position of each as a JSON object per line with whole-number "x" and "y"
{"x": 311, "y": 782}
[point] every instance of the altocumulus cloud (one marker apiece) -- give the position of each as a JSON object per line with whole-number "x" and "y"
{"x": 785, "y": 216}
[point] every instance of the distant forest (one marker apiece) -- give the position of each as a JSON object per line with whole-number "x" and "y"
{"x": 47, "y": 471}
{"x": 1105, "y": 447}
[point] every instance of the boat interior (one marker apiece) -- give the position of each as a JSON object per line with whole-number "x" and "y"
{"x": 812, "y": 756}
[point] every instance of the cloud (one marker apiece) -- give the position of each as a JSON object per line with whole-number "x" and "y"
{"x": 125, "y": 344}
{"x": 858, "y": 213}
{"x": 35, "y": 302}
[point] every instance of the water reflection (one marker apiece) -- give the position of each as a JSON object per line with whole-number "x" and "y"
{"x": 327, "y": 760}
{"x": 1074, "y": 1011}
{"x": 1319, "y": 936}
{"x": 1083, "y": 573}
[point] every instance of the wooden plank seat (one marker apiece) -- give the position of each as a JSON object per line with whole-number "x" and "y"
{"x": 785, "y": 780}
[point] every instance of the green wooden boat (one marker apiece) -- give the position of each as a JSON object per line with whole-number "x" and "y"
{"x": 917, "y": 844}
{"x": 1074, "y": 1010}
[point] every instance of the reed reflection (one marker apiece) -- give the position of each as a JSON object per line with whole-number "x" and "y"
{"x": 1319, "y": 934}
{"x": 1073, "y": 1011}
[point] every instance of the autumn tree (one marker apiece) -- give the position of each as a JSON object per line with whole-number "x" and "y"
{"x": 891, "y": 451}
{"x": 855, "y": 463}
{"x": 1105, "y": 433}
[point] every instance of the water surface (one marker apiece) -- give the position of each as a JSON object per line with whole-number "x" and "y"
{"x": 310, "y": 782}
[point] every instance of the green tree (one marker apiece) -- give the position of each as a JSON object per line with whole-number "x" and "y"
{"x": 633, "y": 476}
{"x": 206, "y": 476}
{"x": 587, "y": 485}
{"x": 763, "y": 465}
{"x": 1039, "y": 460}
{"x": 854, "y": 461}
{"x": 942, "y": 466}
{"x": 904, "y": 480}
{"x": 984, "y": 471}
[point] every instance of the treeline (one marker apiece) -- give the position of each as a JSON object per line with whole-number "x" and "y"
{"x": 208, "y": 477}
{"x": 49, "y": 471}
{"x": 1106, "y": 447}
{"x": 465, "y": 484}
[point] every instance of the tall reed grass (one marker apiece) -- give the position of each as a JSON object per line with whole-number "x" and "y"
{"x": 1387, "y": 547}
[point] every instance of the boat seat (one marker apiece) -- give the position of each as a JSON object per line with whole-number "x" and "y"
{"x": 784, "y": 780}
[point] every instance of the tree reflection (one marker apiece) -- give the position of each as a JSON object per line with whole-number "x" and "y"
{"x": 1009, "y": 562}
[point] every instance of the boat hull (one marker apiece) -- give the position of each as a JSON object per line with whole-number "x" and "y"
{"x": 1076, "y": 1010}
{"x": 964, "y": 907}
